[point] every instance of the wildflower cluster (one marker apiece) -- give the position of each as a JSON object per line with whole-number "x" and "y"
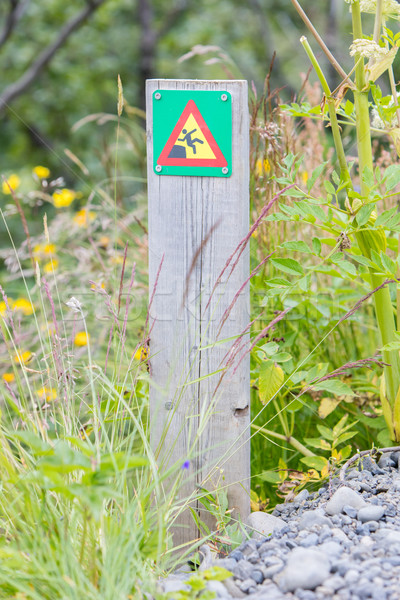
{"x": 367, "y": 49}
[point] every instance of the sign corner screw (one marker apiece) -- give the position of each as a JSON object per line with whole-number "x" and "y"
{"x": 224, "y": 97}
{"x": 158, "y": 168}
{"x": 225, "y": 170}
{"x": 157, "y": 96}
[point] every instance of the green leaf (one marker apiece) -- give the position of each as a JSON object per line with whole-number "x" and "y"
{"x": 316, "y": 243}
{"x": 315, "y": 462}
{"x": 216, "y": 574}
{"x": 294, "y": 405}
{"x": 196, "y": 582}
{"x": 270, "y": 380}
{"x": 297, "y": 246}
{"x": 390, "y": 346}
{"x": 334, "y": 386}
{"x": 347, "y": 267}
{"x": 270, "y": 476}
{"x": 33, "y": 441}
{"x": 288, "y": 265}
{"x": 319, "y": 444}
{"x": 325, "y": 432}
{"x": 349, "y": 108}
{"x": 278, "y": 281}
{"x": 364, "y": 214}
{"x": 282, "y": 357}
{"x": 298, "y": 376}
{"x": 278, "y": 216}
{"x": 392, "y": 176}
{"x": 385, "y": 216}
{"x": 368, "y": 177}
{"x": 270, "y": 348}
{"x": 315, "y": 175}
{"x": 389, "y": 264}
{"x": 344, "y": 437}
{"x": 329, "y": 187}
{"x": 341, "y": 426}
{"x": 335, "y": 178}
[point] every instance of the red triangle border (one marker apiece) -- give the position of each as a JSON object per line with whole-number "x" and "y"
{"x": 218, "y": 161}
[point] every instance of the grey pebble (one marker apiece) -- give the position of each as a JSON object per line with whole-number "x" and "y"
{"x": 243, "y": 570}
{"x": 333, "y": 550}
{"x": 257, "y": 575}
{"x": 344, "y": 496}
{"x": 219, "y": 589}
{"x": 237, "y": 555}
{"x": 248, "y": 586}
{"x": 310, "y": 518}
{"x": 305, "y": 568}
{"x": 310, "y": 540}
{"x": 350, "y": 511}
{"x": 370, "y": 513}
{"x": 263, "y": 524}
{"x": 227, "y": 563}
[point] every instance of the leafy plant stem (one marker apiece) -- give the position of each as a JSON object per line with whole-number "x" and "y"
{"x": 344, "y": 172}
{"x": 289, "y": 439}
{"x": 382, "y": 300}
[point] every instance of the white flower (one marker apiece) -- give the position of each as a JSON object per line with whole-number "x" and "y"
{"x": 74, "y": 304}
{"x": 391, "y": 8}
{"x": 367, "y": 48}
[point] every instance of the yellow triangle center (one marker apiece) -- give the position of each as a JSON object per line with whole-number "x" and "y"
{"x": 193, "y": 140}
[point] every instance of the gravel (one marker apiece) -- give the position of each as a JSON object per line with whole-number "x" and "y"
{"x": 341, "y": 543}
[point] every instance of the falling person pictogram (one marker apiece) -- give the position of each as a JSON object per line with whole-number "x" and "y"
{"x": 188, "y": 139}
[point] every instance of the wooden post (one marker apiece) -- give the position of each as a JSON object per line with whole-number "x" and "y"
{"x": 195, "y": 224}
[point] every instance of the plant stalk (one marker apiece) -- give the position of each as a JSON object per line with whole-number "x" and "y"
{"x": 289, "y": 439}
{"x": 330, "y": 100}
{"x": 382, "y": 300}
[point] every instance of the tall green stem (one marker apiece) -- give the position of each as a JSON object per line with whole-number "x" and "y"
{"x": 337, "y": 138}
{"x": 383, "y": 303}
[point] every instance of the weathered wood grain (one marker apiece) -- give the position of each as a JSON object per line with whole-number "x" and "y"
{"x": 192, "y": 414}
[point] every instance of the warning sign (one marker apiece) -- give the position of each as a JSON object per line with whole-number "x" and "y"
{"x": 192, "y": 133}
{"x": 191, "y": 142}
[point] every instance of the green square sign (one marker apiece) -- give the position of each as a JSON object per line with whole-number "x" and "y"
{"x": 192, "y": 133}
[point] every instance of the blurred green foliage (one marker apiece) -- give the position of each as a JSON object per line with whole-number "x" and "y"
{"x": 146, "y": 38}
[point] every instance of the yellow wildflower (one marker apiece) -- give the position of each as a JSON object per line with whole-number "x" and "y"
{"x": 12, "y": 181}
{"x": 8, "y": 377}
{"x": 141, "y": 353}
{"x": 43, "y": 250}
{"x": 262, "y": 166}
{"x": 304, "y": 177}
{"x": 63, "y": 198}
{"x": 104, "y": 241}
{"x": 50, "y": 266}
{"x": 48, "y": 394}
{"x": 23, "y": 305}
{"x": 81, "y": 338}
{"x": 22, "y": 357}
{"x": 3, "y": 307}
{"x": 41, "y": 172}
{"x": 95, "y": 286}
{"x": 117, "y": 259}
{"x": 83, "y": 217}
